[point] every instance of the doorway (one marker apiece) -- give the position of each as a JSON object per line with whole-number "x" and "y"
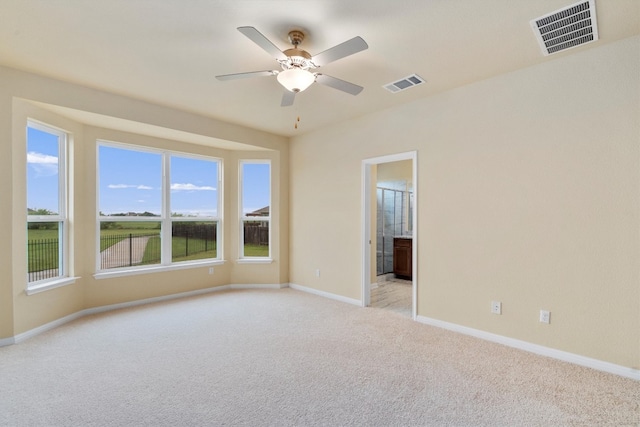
{"x": 389, "y": 219}
{"x": 394, "y": 205}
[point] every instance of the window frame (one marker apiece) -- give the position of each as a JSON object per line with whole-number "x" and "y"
{"x": 165, "y": 218}
{"x": 242, "y": 258}
{"x": 64, "y": 276}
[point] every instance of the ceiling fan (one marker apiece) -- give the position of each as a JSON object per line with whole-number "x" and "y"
{"x": 297, "y": 64}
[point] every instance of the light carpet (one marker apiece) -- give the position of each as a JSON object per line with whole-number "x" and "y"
{"x": 285, "y": 358}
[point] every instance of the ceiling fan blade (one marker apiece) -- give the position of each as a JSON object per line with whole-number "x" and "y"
{"x": 259, "y": 39}
{"x": 347, "y": 48}
{"x": 335, "y": 83}
{"x": 287, "y": 98}
{"x": 236, "y": 76}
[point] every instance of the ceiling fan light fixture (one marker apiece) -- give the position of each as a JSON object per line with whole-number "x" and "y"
{"x": 297, "y": 64}
{"x": 296, "y": 79}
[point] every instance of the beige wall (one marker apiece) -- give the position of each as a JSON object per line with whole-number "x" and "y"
{"x": 529, "y": 186}
{"x": 395, "y": 171}
{"x": 20, "y": 312}
{"x": 6, "y": 226}
{"x": 35, "y": 310}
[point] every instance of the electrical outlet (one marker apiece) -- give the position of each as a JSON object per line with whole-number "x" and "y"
{"x": 318, "y": 272}
{"x": 496, "y": 307}
{"x": 210, "y": 270}
{"x": 545, "y": 316}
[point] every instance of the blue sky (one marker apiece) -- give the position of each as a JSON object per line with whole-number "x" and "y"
{"x": 131, "y": 181}
{"x": 256, "y": 183}
{"x": 42, "y": 171}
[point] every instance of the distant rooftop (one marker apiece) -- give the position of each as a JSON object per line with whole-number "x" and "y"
{"x": 260, "y": 212}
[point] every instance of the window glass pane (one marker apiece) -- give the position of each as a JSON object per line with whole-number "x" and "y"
{"x": 256, "y": 189}
{"x": 43, "y": 250}
{"x": 43, "y": 195}
{"x": 256, "y": 238}
{"x": 193, "y": 240}
{"x": 129, "y": 243}
{"x": 134, "y": 183}
{"x": 194, "y": 191}
{"x": 130, "y": 182}
{"x": 256, "y": 196}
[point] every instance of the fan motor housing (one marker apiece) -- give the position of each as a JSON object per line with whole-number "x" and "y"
{"x": 296, "y": 37}
{"x": 297, "y": 52}
{"x": 297, "y": 58}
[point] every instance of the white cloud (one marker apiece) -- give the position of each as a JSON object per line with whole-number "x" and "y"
{"x": 43, "y": 164}
{"x": 191, "y": 187}
{"x": 41, "y": 159}
{"x": 138, "y": 187}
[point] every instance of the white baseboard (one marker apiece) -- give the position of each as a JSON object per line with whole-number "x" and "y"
{"x": 86, "y": 312}
{"x": 47, "y": 327}
{"x": 325, "y": 294}
{"x": 7, "y": 341}
{"x": 553, "y": 353}
{"x": 145, "y": 301}
{"x": 258, "y": 286}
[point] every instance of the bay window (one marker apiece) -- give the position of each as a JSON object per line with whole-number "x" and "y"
{"x": 156, "y": 207}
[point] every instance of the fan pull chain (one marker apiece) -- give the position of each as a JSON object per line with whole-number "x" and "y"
{"x": 295, "y": 126}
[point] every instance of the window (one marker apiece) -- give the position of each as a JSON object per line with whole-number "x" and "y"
{"x": 156, "y": 207}
{"x": 255, "y": 208}
{"x": 194, "y": 208}
{"x": 47, "y": 221}
{"x": 130, "y": 207}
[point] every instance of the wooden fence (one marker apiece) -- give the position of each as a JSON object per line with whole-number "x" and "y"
{"x": 256, "y": 233}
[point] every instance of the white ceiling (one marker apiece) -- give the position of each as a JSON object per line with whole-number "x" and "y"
{"x": 168, "y": 51}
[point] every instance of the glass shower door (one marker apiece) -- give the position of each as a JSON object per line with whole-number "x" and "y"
{"x": 391, "y": 213}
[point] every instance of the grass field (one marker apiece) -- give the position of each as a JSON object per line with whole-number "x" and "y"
{"x": 182, "y": 249}
{"x": 41, "y": 234}
{"x": 256, "y": 250}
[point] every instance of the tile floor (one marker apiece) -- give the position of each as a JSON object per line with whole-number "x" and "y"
{"x": 392, "y": 294}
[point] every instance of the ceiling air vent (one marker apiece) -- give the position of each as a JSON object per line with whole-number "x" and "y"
{"x": 405, "y": 83}
{"x": 566, "y": 28}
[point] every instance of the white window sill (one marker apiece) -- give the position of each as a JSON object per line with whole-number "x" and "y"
{"x": 122, "y": 272}
{"x": 254, "y": 261}
{"x": 38, "y": 287}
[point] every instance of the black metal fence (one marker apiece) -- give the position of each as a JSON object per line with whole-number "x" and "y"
{"x": 197, "y": 238}
{"x": 128, "y": 249}
{"x": 43, "y": 259}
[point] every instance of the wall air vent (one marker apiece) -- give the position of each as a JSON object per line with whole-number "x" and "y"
{"x": 570, "y": 27}
{"x": 405, "y": 83}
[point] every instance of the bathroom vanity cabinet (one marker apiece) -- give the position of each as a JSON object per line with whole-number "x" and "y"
{"x": 402, "y": 258}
